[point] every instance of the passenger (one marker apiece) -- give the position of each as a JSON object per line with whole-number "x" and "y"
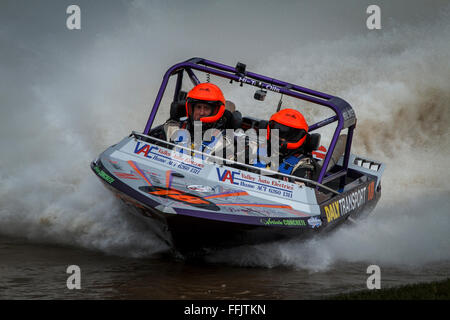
{"x": 294, "y": 159}
{"x": 205, "y": 105}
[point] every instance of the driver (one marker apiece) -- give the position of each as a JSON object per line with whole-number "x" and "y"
{"x": 293, "y": 134}
{"x": 205, "y": 106}
{"x": 206, "y": 103}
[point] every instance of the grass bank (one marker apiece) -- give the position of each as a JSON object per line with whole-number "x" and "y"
{"x": 438, "y": 290}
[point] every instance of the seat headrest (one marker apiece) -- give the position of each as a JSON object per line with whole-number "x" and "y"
{"x": 178, "y": 109}
{"x": 263, "y": 124}
{"x": 314, "y": 141}
{"x": 237, "y": 120}
{"x": 233, "y": 119}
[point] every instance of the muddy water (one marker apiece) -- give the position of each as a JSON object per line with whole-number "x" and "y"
{"x": 32, "y": 271}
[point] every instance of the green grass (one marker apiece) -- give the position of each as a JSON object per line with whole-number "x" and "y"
{"x": 439, "y": 290}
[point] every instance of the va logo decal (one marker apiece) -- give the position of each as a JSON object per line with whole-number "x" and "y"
{"x": 227, "y": 175}
{"x": 145, "y": 149}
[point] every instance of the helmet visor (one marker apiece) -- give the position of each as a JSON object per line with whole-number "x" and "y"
{"x": 289, "y": 134}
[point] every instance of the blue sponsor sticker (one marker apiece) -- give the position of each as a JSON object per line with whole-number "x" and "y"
{"x": 314, "y": 222}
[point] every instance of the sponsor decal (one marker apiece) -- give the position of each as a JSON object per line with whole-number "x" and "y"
{"x": 180, "y": 196}
{"x": 144, "y": 149}
{"x": 260, "y": 84}
{"x": 332, "y": 211}
{"x": 315, "y": 222}
{"x": 283, "y": 222}
{"x": 200, "y": 188}
{"x": 345, "y": 205}
{"x": 102, "y": 174}
{"x": 172, "y": 159}
{"x": 256, "y": 182}
{"x": 227, "y": 175}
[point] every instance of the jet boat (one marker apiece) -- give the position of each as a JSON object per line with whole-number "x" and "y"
{"x": 194, "y": 204}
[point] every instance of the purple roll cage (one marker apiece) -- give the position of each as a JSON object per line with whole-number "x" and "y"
{"x": 345, "y": 116}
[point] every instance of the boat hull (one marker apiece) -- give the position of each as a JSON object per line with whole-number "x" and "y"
{"x": 191, "y": 231}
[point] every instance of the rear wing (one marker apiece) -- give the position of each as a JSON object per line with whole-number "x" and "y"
{"x": 344, "y": 114}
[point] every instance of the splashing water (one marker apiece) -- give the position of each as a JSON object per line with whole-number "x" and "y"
{"x": 397, "y": 81}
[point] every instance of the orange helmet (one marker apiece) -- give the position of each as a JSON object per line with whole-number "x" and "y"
{"x": 292, "y": 128}
{"x": 206, "y": 93}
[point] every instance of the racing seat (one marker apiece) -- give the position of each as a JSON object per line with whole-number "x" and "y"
{"x": 263, "y": 124}
{"x": 233, "y": 117}
{"x": 312, "y": 142}
{"x": 178, "y": 110}
{"x": 178, "y": 107}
